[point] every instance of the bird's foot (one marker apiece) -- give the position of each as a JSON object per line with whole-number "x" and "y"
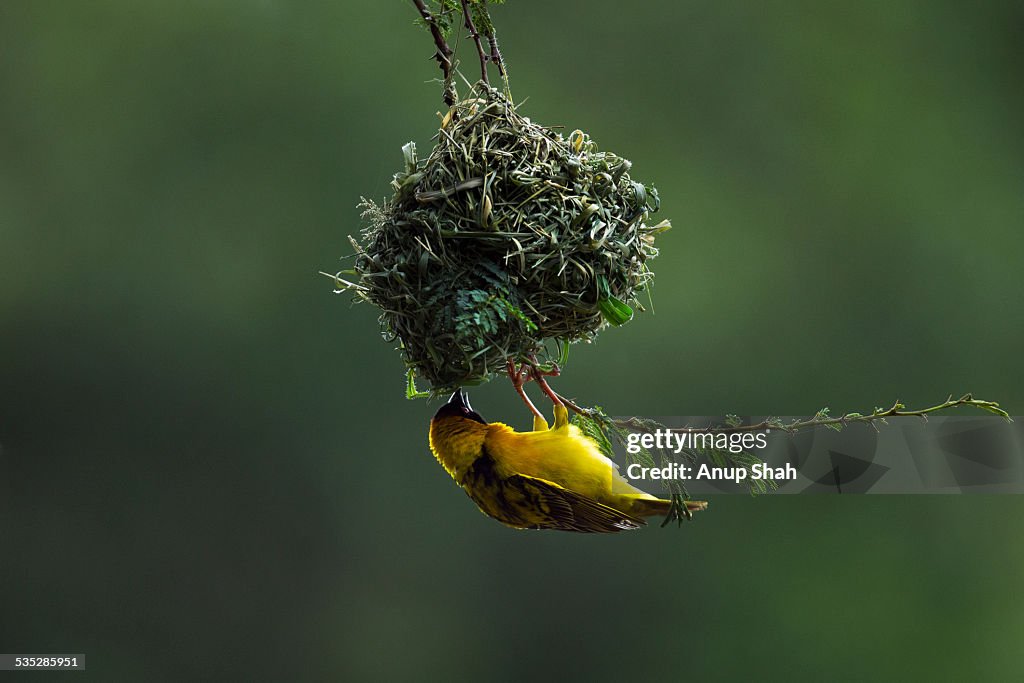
{"x": 519, "y": 376}
{"x": 538, "y": 375}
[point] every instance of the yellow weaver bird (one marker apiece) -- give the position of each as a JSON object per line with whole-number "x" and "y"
{"x": 553, "y": 478}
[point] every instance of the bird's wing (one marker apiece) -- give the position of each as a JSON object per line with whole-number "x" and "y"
{"x": 526, "y": 502}
{"x": 569, "y": 511}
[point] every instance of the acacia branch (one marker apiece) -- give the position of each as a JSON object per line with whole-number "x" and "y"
{"x": 821, "y": 419}
{"x": 496, "y": 54}
{"x": 492, "y": 42}
{"x": 443, "y": 55}
{"x": 679, "y": 511}
{"x": 533, "y": 370}
{"x": 471, "y": 27}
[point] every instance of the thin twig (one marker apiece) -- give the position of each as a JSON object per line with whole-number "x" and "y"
{"x": 492, "y": 42}
{"x": 443, "y": 55}
{"x": 819, "y": 420}
{"x": 342, "y": 285}
{"x": 496, "y": 54}
{"x": 476, "y": 39}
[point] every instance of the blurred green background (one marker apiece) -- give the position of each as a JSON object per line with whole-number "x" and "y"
{"x": 209, "y": 471}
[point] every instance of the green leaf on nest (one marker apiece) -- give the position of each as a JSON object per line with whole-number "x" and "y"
{"x": 615, "y": 311}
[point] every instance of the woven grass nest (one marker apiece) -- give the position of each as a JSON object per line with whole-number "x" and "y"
{"x": 509, "y": 236}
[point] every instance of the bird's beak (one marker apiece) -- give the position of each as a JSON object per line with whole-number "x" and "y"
{"x": 460, "y": 399}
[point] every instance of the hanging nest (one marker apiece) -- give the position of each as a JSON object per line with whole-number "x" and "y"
{"x": 508, "y": 236}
